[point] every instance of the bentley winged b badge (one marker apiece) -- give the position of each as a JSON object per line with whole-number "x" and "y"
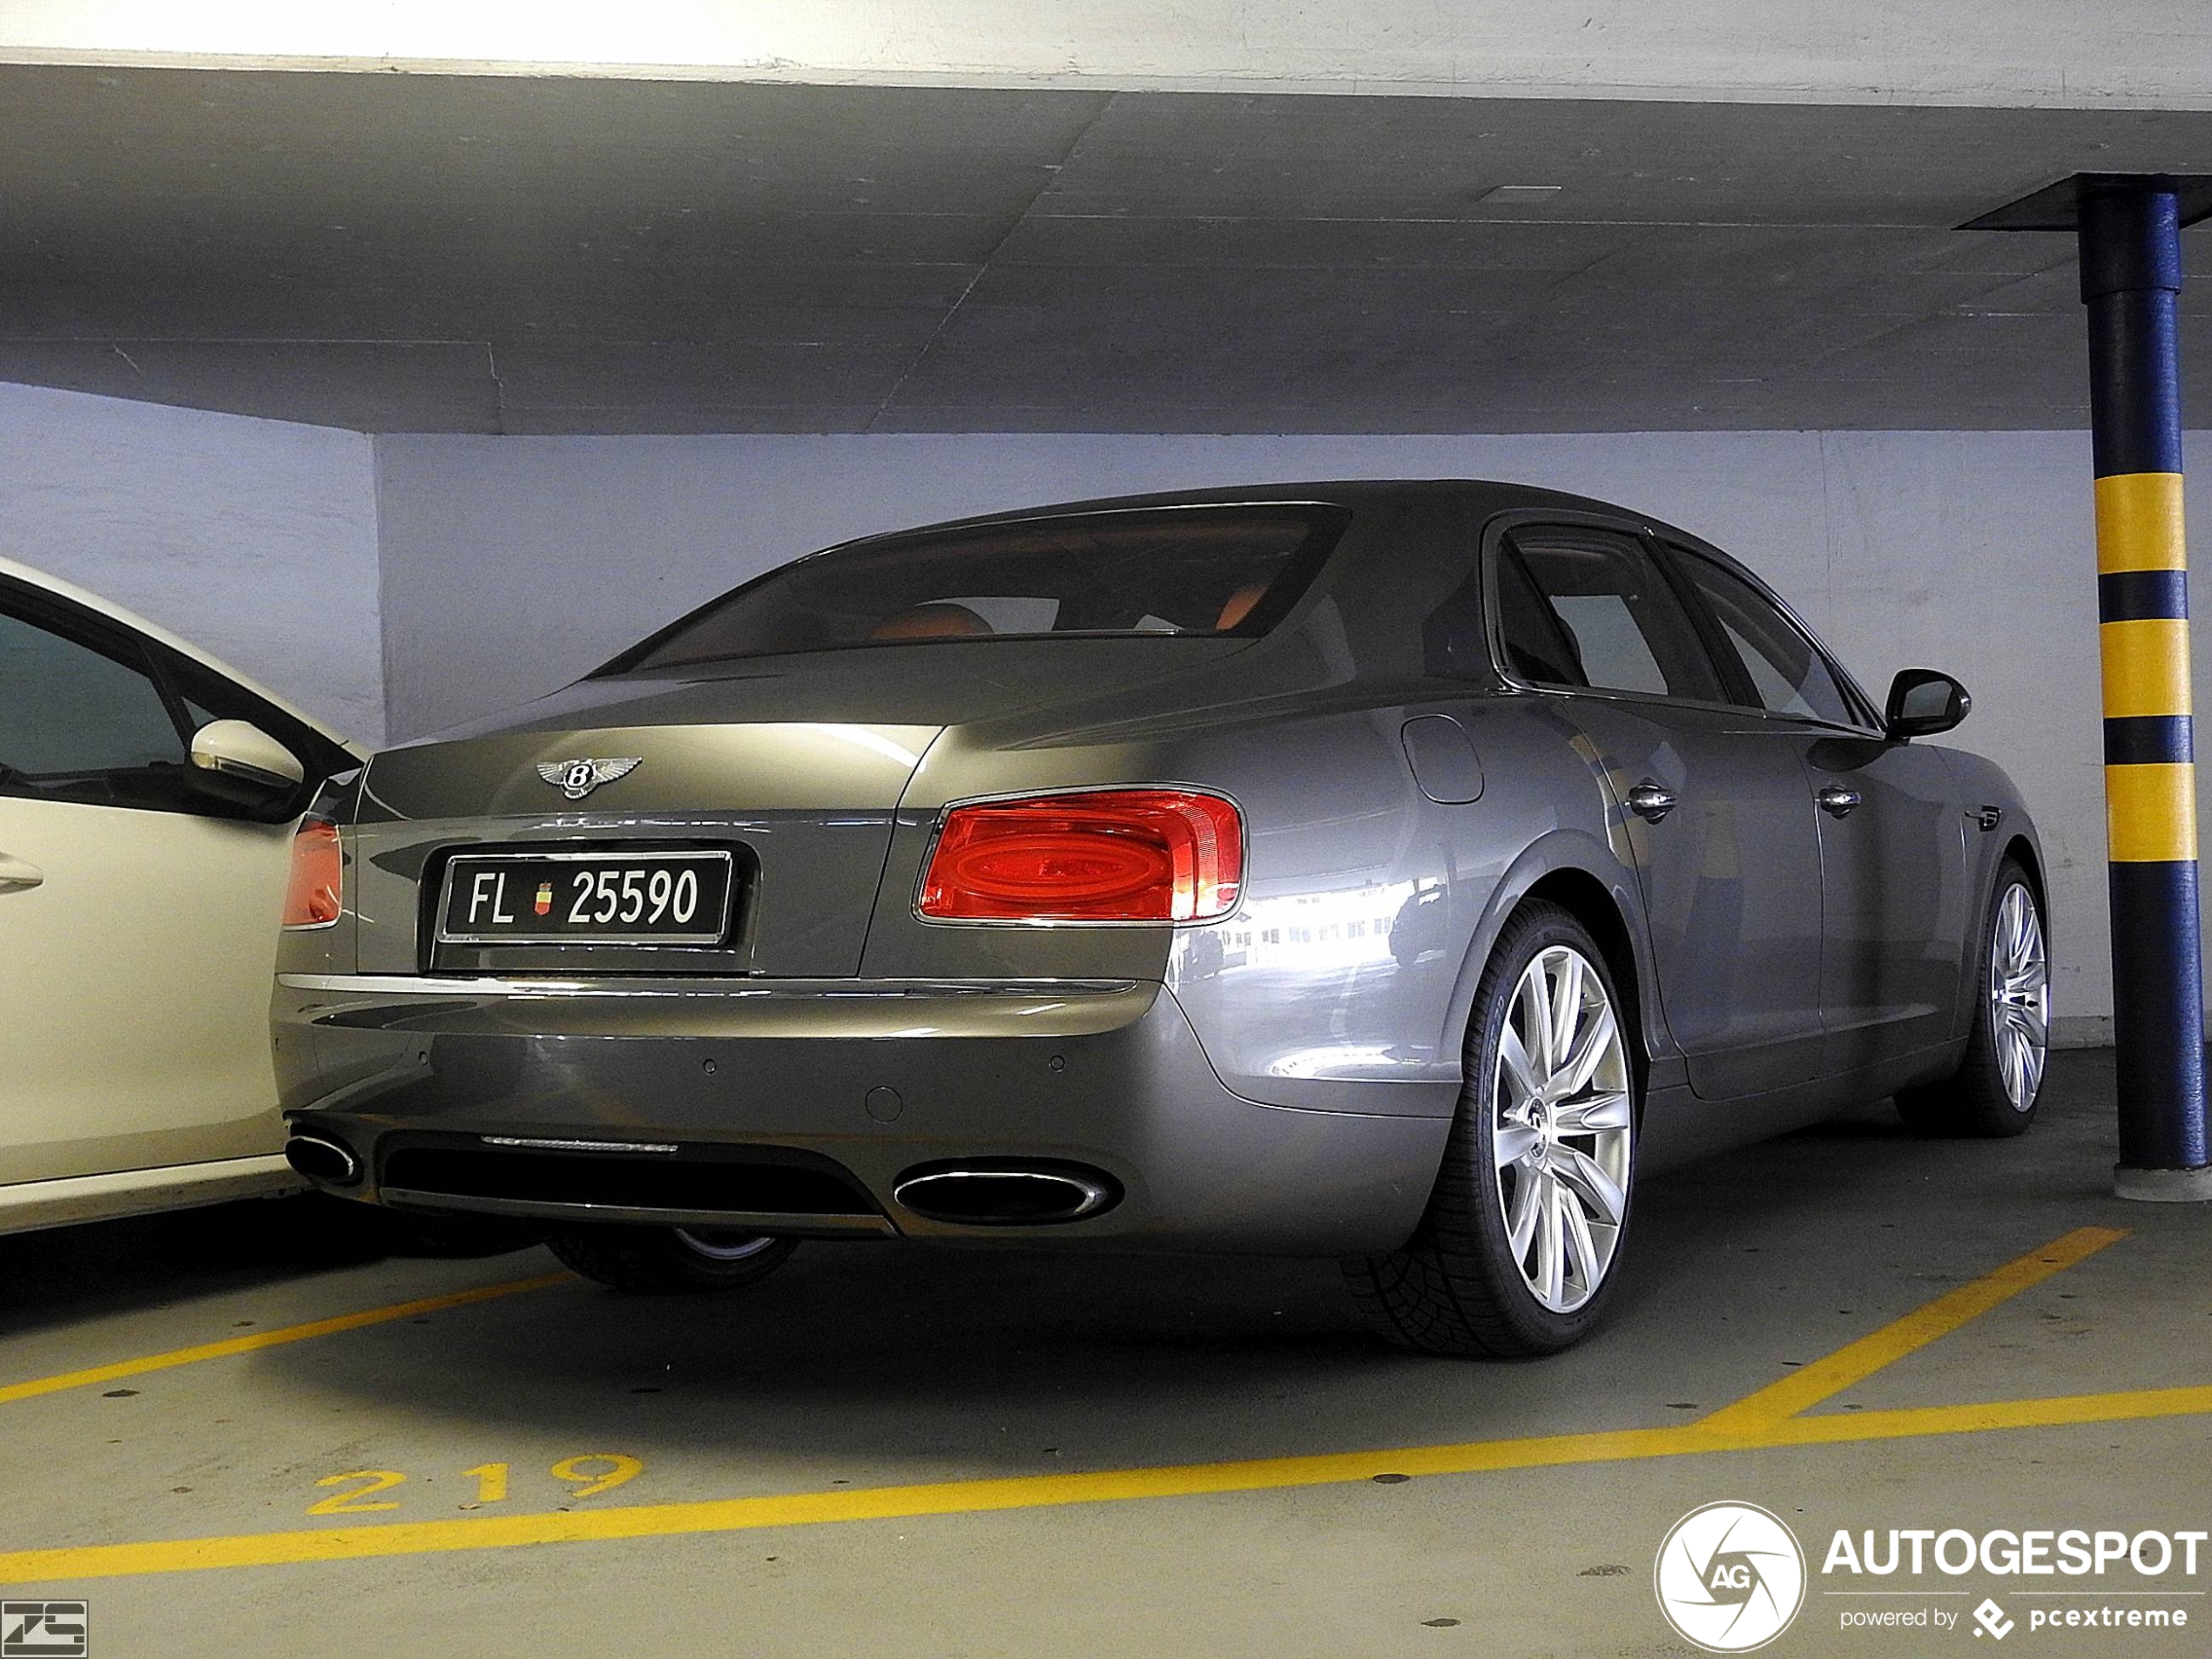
{"x": 576, "y": 779}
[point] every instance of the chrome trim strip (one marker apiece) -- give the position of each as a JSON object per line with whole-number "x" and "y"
{"x": 732, "y": 987}
{"x": 765, "y": 1221}
{"x": 577, "y": 1146}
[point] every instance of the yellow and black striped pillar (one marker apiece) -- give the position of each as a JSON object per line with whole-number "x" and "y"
{"x": 2131, "y": 276}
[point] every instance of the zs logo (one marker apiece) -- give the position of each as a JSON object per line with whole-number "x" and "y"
{"x": 44, "y": 1630}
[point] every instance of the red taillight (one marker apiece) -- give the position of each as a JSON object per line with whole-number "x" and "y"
{"x": 311, "y": 899}
{"x": 1110, "y": 855}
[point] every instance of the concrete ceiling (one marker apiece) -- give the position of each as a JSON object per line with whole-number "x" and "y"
{"x": 523, "y": 255}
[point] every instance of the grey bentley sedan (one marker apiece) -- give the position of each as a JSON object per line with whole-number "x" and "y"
{"x": 1397, "y": 871}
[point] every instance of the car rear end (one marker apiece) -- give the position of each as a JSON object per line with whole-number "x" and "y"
{"x": 841, "y": 945}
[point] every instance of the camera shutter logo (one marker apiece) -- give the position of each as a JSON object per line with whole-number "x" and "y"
{"x": 44, "y": 1630}
{"x": 1729, "y": 1577}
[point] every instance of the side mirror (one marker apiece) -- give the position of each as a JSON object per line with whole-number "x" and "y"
{"x": 1923, "y": 703}
{"x": 238, "y": 761}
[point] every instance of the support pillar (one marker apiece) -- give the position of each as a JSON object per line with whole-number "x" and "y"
{"x": 2129, "y": 234}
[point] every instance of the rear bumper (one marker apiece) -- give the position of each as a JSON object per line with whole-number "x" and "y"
{"x": 866, "y": 1080}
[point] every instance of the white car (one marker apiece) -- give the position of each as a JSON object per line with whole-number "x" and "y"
{"x": 149, "y": 799}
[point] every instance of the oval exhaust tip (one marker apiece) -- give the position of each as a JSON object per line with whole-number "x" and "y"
{"x": 1006, "y": 1195}
{"x": 323, "y": 1160}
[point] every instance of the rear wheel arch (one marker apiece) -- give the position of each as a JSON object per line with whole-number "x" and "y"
{"x": 1605, "y": 906}
{"x": 1588, "y": 900}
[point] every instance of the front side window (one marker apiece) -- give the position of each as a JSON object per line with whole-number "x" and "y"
{"x": 1787, "y": 672}
{"x": 1580, "y": 607}
{"x": 79, "y": 723}
{"x": 1164, "y": 571}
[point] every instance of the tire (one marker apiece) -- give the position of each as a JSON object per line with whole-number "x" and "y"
{"x": 2000, "y": 1079}
{"x": 657, "y": 1261}
{"x": 1460, "y": 1285}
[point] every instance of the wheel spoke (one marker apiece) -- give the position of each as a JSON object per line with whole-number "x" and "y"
{"x": 1598, "y": 1114}
{"x": 1595, "y": 1044}
{"x": 1590, "y": 1269}
{"x": 1586, "y": 1176}
{"x": 1515, "y": 1067}
{"x": 1512, "y": 1142}
{"x": 1566, "y": 1009}
{"x": 1520, "y": 1218}
{"x": 1536, "y": 999}
{"x": 1551, "y": 1243}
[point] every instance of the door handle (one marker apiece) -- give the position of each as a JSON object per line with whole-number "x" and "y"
{"x": 16, "y": 875}
{"x": 1650, "y": 802}
{"x": 1837, "y": 801}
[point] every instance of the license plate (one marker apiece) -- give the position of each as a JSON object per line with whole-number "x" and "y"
{"x": 579, "y": 898}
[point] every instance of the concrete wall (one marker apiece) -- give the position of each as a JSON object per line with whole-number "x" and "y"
{"x": 2123, "y": 53}
{"x": 256, "y": 540}
{"x": 511, "y": 564}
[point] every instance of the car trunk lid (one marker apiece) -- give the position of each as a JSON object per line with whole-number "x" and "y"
{"x": 796, "y": 763}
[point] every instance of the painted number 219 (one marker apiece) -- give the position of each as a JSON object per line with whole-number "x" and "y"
{"x": 586, "y": 1476}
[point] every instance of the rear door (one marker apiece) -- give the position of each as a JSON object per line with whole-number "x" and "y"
{"x": 1714, "y": 810}
{"x": 1894, "y": 893}
{"x": 138, "y": 933}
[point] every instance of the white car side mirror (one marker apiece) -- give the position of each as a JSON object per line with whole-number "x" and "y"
{"x": 240, "y": 749}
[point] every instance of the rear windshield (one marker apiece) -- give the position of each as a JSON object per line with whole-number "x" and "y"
{"x": 1156, "y": 571}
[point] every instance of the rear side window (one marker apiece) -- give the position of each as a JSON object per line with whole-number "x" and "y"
{"x": 1163, "y": 571}
{"x": 1788, "y": 674}
{"x": 1590, "y": 608}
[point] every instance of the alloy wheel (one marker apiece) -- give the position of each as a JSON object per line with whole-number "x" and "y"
{"x": 2020, "y": 996}
{"x": 1562, "y": 1128}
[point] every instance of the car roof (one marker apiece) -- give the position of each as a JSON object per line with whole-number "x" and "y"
{"x": 1481, "y": 494}
{"x": 116, "y": 613}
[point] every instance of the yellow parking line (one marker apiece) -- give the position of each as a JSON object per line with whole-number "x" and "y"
{"x": 2058, "y": 1411}
{"x": 271, "y": 1339}
{"x": 1763, "y": 1420}
{"x": 1854, "y": 1363}
{"x": 1055, "y": 1491}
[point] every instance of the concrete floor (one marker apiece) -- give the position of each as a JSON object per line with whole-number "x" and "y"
{"x": 869, "y": 1365}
